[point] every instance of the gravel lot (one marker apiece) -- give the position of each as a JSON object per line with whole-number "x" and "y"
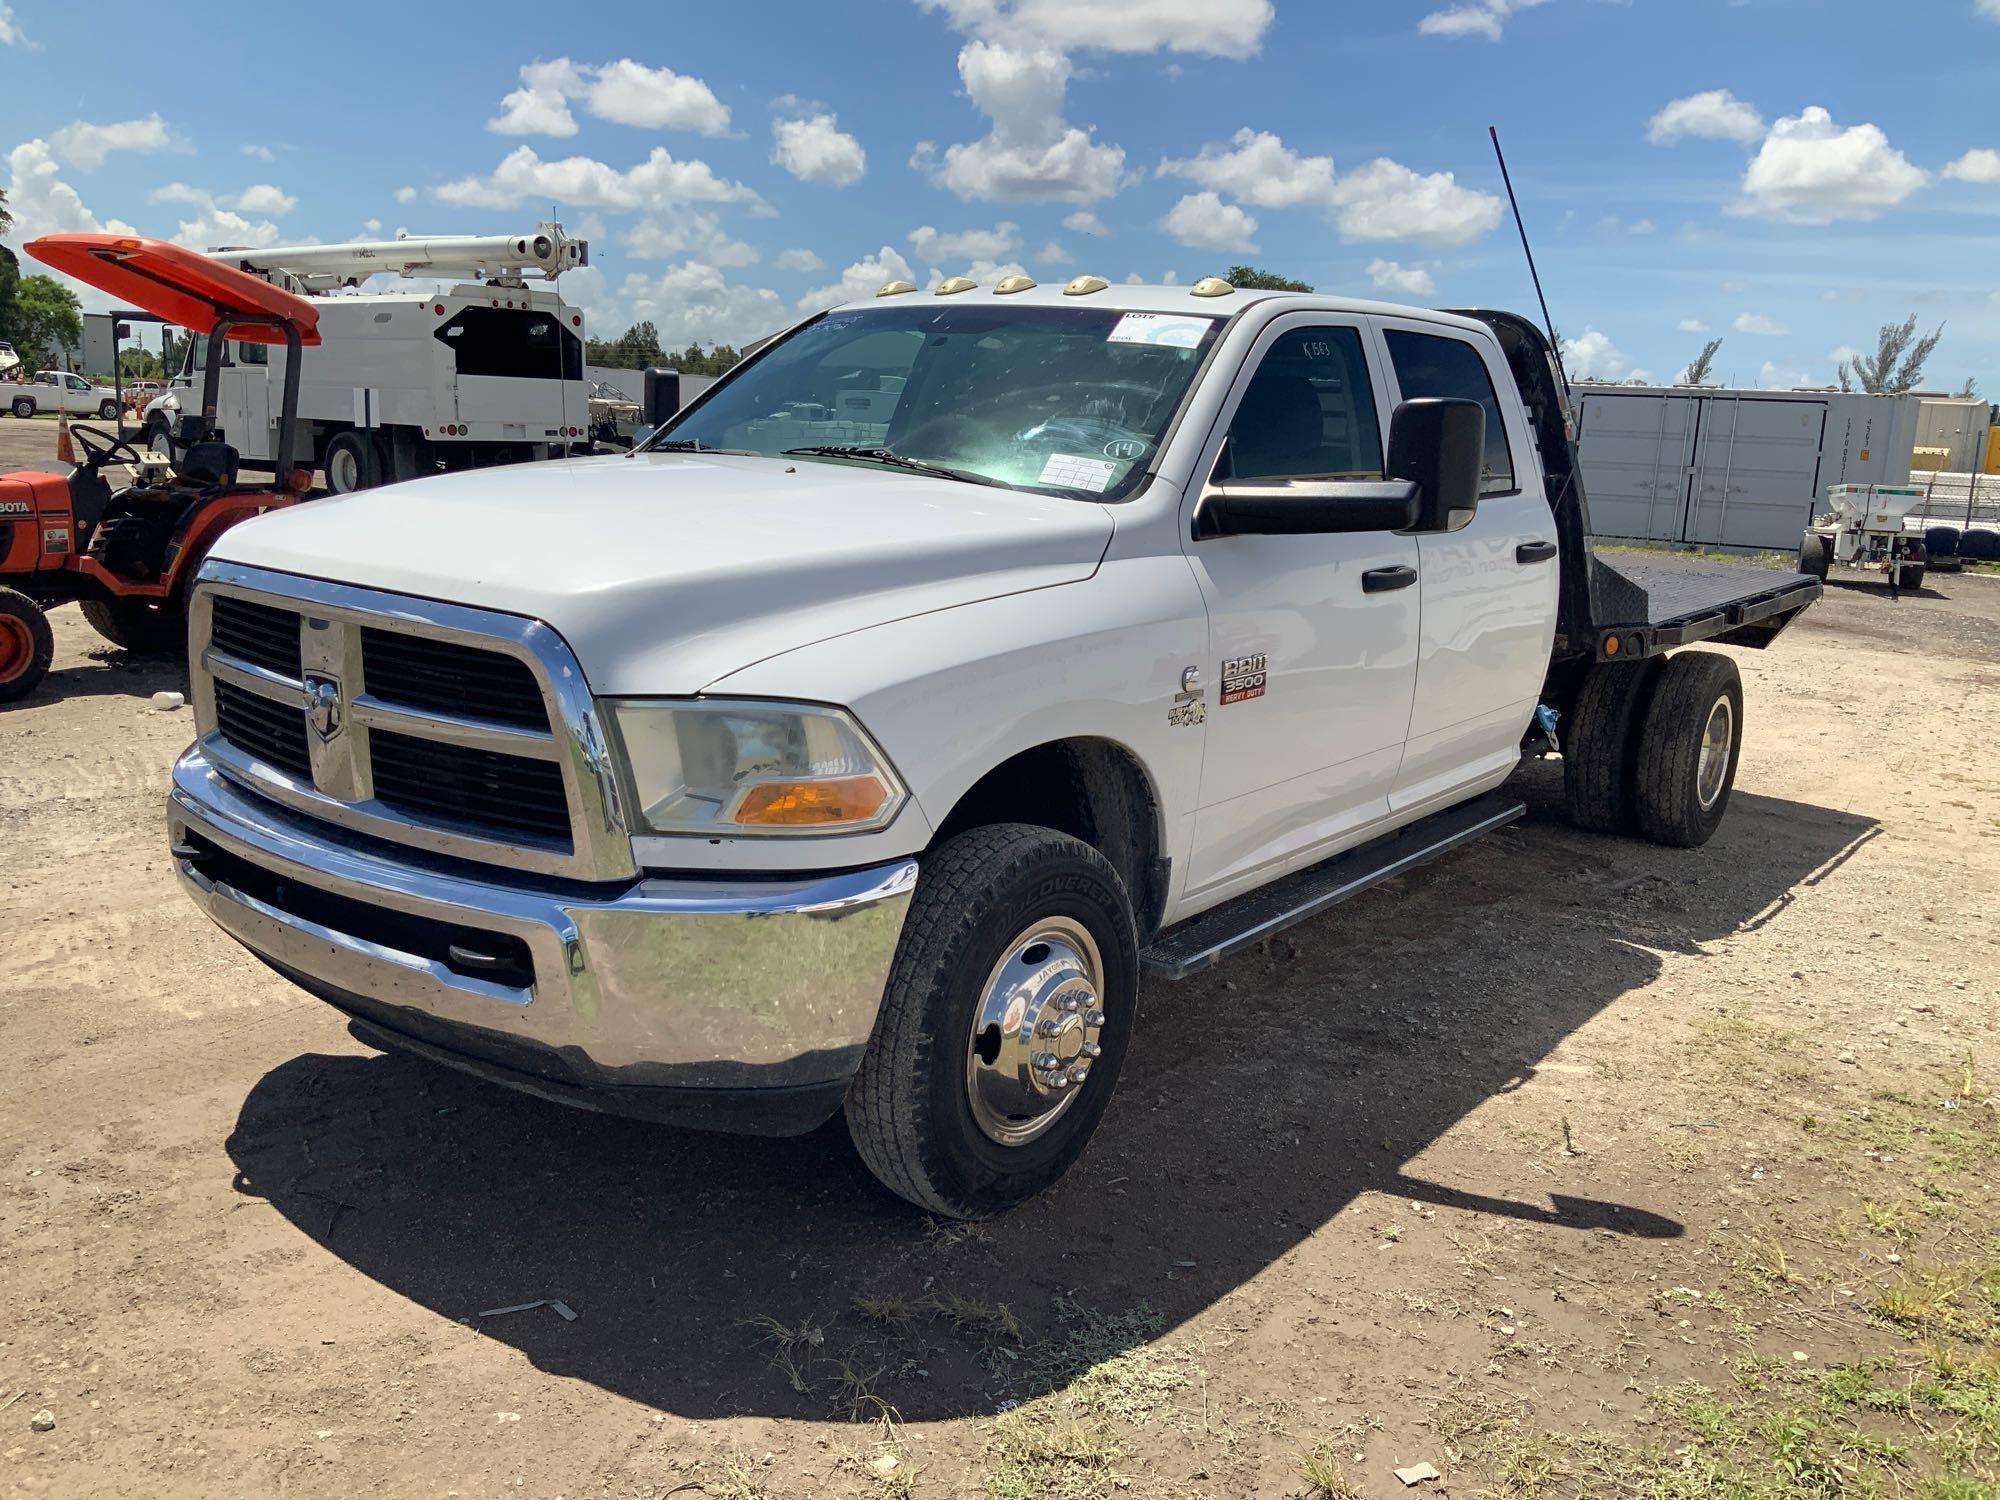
{"x": 1563, "y": 1165}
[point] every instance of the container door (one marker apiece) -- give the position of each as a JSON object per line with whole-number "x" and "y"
{"x": 1756, "y": 473}
{"x": 1636, "y": 453}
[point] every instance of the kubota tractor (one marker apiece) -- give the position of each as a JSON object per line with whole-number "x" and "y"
{"x": 127, "y": 555}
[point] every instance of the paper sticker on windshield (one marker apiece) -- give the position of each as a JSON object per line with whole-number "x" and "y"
{"x": 1073, "y": 471}
{"x": 1162, "y": 329}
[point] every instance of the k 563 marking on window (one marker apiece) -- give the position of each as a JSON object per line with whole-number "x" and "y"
{"x": 1243, "y": 678}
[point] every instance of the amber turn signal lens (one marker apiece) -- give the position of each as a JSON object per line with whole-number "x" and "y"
{"x": 813, "y": 804}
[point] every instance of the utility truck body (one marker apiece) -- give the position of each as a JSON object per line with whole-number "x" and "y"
{"x": 958, "y": 659}
{"x": 406, "y": 383}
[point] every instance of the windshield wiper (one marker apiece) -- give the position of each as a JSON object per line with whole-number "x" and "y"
{"x": 679, "y": 445}
{"x": 895, "y": 460}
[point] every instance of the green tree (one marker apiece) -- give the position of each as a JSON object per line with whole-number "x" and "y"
{"x": 1698, "y": 372}
{"x": 1250, "y": 278}
{"x": 1897, "y": 364}
{"x": 47, "y": 317}
{"x": 139, "y": 364}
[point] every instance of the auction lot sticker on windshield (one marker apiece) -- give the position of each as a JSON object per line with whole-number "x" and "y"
{"x": 1163, "y": 329}
{"x": 1073, "y": 471}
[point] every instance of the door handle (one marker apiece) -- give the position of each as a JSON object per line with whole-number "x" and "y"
{"x": 1534, "y": 552}
{"x": 1381, "y": 580}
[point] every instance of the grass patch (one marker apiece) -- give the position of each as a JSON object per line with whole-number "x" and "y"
{"x": 1325, "y": 1478}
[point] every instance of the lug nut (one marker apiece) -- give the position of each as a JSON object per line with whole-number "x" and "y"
{"x": 1080, "y": 1072}
{"x": 1070, "y": 1002}
{"x": 1092, "y": 1050}
{"x": 1060, "y": 1081}
{"x": 1045, "y": 1061}
{"x": 1095, "y": 1018}
{"x": 1050, "y": 1027}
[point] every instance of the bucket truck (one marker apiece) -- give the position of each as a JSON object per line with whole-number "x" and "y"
{"x": 480, "y": 368}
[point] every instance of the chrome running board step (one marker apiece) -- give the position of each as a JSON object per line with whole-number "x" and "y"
{"x": 1204, "y": 941}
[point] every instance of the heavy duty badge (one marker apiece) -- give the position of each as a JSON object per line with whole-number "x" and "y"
{"x": 1243, "y": 678}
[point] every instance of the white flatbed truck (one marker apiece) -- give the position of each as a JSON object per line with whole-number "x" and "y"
{"x": 860, "y": 740}
{"x": 405, "y": 383}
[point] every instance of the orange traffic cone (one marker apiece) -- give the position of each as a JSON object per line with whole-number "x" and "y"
{"x": 65, "y": 449}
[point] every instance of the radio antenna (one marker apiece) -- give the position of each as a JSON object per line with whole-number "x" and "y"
{"x": 1534, "y": 275}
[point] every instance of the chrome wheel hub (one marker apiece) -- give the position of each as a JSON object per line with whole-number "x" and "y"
{"x": 1036, "y": 1032}
{"x": 1713, "y": 768}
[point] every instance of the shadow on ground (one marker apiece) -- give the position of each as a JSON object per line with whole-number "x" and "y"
{"x": 1258, "y": 1102}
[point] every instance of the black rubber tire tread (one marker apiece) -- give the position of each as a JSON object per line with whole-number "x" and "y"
{"x": 1912, "y": 576}
{"x": 913, "y": 1057}
{"x": 23, "y": 407}
{"x": 21, "y": 607}
{"x": 107, "y": 411}
{"x": 136, "y": 626}
{"x": 1670, "y": 749}
{"x": 368, "y": 460}
{"x": 1816, "y": 555}
{"x": 1600, "y": 744}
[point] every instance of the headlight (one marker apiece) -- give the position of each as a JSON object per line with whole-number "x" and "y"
{"x": 713, "y": 767}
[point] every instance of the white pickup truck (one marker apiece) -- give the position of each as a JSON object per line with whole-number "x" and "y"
{"x": 863, "y": 738}
{"x": 59, "y": 391}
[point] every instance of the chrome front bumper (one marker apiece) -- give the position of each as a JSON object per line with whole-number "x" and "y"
{"x": 740, "y": 1004}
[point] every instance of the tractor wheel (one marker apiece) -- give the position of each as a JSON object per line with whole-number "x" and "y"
{"x": 137, "y": 625}
{"x": 352, "y": 463}
{"x": 24, "y": 406}
{"x": 1816, "y": 555}
{"x": 1688, "y": 746}
{"x": 26, "y": 644}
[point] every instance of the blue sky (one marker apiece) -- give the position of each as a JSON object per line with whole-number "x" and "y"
{"x": 1786, "y": 173}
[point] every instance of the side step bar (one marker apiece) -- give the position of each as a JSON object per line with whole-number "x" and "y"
{"x": 1204, "y": 941}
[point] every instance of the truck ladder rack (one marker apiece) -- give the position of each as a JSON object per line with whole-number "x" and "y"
{"x": 1204, "y": 941}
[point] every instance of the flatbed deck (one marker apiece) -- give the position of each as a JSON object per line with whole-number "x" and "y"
{"x": 1646, "y": 605}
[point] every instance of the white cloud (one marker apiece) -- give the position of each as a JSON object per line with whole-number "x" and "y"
{"x": 694, "y": 233}
{"x": 1735, "y": 286}
{"x": 1641, "y": 226}
{"x": 258, "y": 153}
{"x": 1054, "y": 254}
{"x": 1771, "y": 378}
{"x": 371, "y": 226}
{"x": 84, "y": 146}
{"x": 1981, "y": 164}
{"x": 1840, "y": 356}
{"x": 624, "y": 92}
{"x": 798, "y": 260}
{"x": 406, "y": 194}
{"x": 1260, "y": 169}
{"x": 1214, "y": 28}
{"x": 1712, "y": 115}
{"x": 860, "y": 280}
{"x": 1693, "y": 325}
{"x": 1760, "y": 324}
{"x": 1385, "y": 200}
{"x": 216, "y": 223}
{"x": 934, "y": 248}
{"x": 1481, "y": 18}
{"x": 1810, "y": 171}
{"x": 660, "y": 181}
{"x": 42, "y": 203}
{"x": 262, "y": 198}
{"x": 694, "y": 303}
{"x": 1202, "y": 221}
{"x": 1594, "y": 355}
{"x": 815, "y": 149}
{"x": 11, "y": 34}
{"x": 1031, "y": 153}
{"x": 1083, "y": 221}
{"x": 1410, "y": 281}
{"x": 1987, "y": 8}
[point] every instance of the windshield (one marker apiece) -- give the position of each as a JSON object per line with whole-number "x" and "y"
{"x": 1056, "y": 399}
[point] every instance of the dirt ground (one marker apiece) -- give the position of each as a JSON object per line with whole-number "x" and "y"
{"x": 1567, "y": 1165}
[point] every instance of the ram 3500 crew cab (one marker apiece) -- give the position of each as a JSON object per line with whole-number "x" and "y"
{"x": 861, "y": 739}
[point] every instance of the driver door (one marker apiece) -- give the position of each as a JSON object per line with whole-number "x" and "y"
{"x": 1313, "y": 639}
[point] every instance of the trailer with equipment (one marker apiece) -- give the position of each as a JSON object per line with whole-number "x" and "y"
{"x": 128, "y": 554}
{"x": 404, "y": 382}
{"x": 1864, "y": 528}
{"x": 962, "y": 657}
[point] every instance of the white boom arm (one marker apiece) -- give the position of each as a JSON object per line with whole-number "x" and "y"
{"x": 505, "y": 258}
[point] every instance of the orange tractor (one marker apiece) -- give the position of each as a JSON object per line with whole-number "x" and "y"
{"x": 128, "y": 555}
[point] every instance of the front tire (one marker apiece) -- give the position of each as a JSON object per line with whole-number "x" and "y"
{"x": 352, "y": 463}
{"x": 137, "y": 625}
{"x": 1018, "y": 967}
{"x": 1688, "y": 748}
{"x": 26, "y": 645}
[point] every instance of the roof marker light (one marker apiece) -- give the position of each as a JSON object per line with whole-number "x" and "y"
{"x": 1211, "y": 286}
{"x": 951, "y": 286}
{"x": 895, "y": 288}
{"x": 1006, "y": 286}
{"x": 1083, "y": 286}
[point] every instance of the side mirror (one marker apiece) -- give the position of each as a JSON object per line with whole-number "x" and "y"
{"x": 1439, "y": 444}
{"x": 123, "y": 331}
{"x": 1306, "y": 506}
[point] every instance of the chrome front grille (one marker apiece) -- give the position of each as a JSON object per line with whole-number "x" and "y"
{"x": 456, "y": 730}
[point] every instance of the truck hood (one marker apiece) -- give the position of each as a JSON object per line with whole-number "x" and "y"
{"x": 666, "y": 571}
